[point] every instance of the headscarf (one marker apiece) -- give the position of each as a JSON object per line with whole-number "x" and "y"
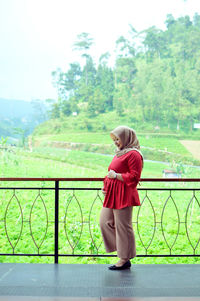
{"x": 128, "y": 138}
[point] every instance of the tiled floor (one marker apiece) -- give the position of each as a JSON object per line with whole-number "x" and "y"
{"x": 94, "y": 282}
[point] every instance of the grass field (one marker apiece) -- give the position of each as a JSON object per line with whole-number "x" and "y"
{"x": 165, "y": 148}
{"x": 58, "y": 162}
{"x": 170, "y": 144}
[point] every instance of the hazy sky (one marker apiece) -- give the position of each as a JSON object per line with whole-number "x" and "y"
{"x": 36, "y": 36}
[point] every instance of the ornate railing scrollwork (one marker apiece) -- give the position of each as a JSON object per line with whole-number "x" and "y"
{"x": 166, "y": 224}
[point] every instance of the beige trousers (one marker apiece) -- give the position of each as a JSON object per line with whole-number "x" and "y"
{"x": 117, "y": 231}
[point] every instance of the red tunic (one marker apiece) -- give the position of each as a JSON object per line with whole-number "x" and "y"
{"x": 121, "y": 194}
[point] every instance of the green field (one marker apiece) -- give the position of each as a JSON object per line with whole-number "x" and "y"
{"x": 59, "y": 162}
{"x": 155, "y": 147}
{"x": 170, "y": 144}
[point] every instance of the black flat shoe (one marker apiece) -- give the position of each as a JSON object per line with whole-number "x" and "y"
{"x": 125, "y": 266}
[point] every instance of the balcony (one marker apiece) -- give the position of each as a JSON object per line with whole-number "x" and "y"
{"x": 50, "y": 221}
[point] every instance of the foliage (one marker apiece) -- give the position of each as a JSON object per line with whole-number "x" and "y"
{"x": 155, "y": 77}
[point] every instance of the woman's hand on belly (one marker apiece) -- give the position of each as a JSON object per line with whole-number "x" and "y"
{"x": 112, "y": 174}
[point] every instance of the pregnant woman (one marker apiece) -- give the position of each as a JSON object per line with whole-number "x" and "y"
{"x": 120, "y": 196}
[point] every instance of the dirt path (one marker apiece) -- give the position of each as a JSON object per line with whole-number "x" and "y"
{"x": 193, "y": 147}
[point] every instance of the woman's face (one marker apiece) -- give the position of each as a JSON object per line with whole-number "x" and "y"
{"x": 117, "y": 141}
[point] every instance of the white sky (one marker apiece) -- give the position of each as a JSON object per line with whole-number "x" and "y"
{"x": 36, "y": 36}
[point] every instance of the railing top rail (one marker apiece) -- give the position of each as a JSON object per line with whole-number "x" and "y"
{"x": 99, "y": 179}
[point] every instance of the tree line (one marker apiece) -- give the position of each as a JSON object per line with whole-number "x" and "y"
{"x": 155, "y": 77}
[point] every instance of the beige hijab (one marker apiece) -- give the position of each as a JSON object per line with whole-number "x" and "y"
{"x": 128, "y": 138}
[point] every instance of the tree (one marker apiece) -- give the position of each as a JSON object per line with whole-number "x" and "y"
{"x": 96, "y": 103}
{"x": 126, "y": 46}
{"x": 170, "y": 21}
{"x": 72, "y": 77}
{"x": 196, "y": 20}
{"x": 58, "y": 82}
{"x": 125, "y": 71}
{"x": 55, "y": 111}
{"x": 105, "y": 82}
{"x": 66, "y": 107}
{"x": 83, "y": 44}
{"x": 154, "y": 42}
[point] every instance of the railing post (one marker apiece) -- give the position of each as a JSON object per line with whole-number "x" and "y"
{"x": 56, "y": 222}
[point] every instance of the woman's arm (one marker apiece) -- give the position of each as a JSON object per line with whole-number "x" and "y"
{"x": 132, "y": 176}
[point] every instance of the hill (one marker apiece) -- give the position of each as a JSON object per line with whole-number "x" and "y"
{"x": 20, "y": 114}
{"x": 92, "y": 135}
{"x": 13, "y": 108}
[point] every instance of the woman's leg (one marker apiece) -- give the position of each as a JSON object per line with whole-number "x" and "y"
{"x": 107, "y": 226}
{"x": 125, "y": 239}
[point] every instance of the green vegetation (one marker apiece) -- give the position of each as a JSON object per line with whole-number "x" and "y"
{"x": 170, "y": 144}
{"x": 58, "y": 162}
{"x": 155, "y": 146}
{"x": 154, "y": 82}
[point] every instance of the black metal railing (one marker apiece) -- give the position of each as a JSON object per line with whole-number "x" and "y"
{"x": 60, "y": 221}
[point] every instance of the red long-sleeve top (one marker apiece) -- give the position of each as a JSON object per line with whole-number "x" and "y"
{"x": 121, "y": 194}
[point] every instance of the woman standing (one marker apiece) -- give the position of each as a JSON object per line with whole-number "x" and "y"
{"x": 120, "y": 196}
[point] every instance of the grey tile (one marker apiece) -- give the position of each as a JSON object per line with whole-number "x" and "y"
{"x": 95, "y": 280}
